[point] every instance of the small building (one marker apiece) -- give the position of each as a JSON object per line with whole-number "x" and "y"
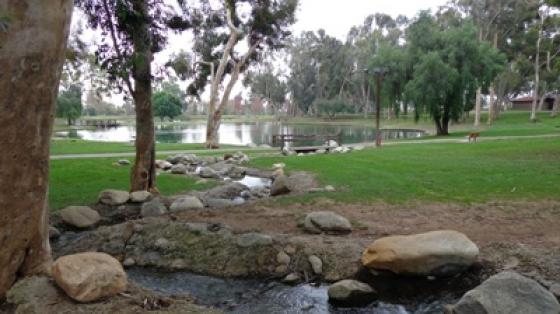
{"x": 525, "y": 103}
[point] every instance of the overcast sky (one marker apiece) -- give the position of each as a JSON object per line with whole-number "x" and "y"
{"x": 336, "y": 17}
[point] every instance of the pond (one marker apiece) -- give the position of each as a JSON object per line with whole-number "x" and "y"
{"x": 254, "y": 296}
{"x": 241, "y": 133}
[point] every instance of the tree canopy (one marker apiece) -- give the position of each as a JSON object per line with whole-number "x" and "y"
{"x": 69, "y": 103}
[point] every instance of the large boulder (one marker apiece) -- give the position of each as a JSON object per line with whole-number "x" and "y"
{"x": 89, "y": 276}
{"x": 444, "y": 252}
{"x": 140, "y": 196}
{"x": 79, "y": 216}
{"x": 351, "y": 292}
{"x": 226, "y": 191}
{"x": 326, "y": 221}
{"x": 219, "y": 202}
{"x": 154, "y": 207}
{"x": 186, "y": 203}
{"x": 279, "y": 186}
{"x": 508, "y": 293}
{"x": 301, "y": 182}
{"x": 179, "y": 169}
{"x": 163, "y": 164}
{"x": 207, "y": 172}
{"x": 113, "y": 197}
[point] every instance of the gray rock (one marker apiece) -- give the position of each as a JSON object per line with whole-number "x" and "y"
{"x": 129, "y": 262}
{"x": 187, "y": 159}
{"x": 219, "y": 202}
{"x": 226, "y": 191}
{"x": 154, "y": 207}
{"x": 279, "y": 186}
{"x": 555, "y": 290}
{"x": 163, "y": 164}
{"x": 207, "y": 172}
{"x": 301, "y": 182}
{"x": 140, "y": 196}
{"x": 291, "y": 279}
{"x": 79, "y": 216}
{"x": 124, "y": 162}
{"x": 359, "y": 147}
{"x": 283, "y": 258}
{"x": 507, "y": 292}
{"x": 221, "y": 167}
{"x": 53, "y": 233}
{"x": 254, "y": 239}
{"x": 113, "y": 197}
{"x": 316, "y": 264}
{"x": 236, "y": 172}
{"x": 179, "y": 169}
{"x": 328, "y": 222}
{"x": 351, "y": 292}
{"x": 186, "y": 203}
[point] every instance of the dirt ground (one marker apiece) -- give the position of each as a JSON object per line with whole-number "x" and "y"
{"x": 530, "y": 223}
{"x": 519, "y": 235}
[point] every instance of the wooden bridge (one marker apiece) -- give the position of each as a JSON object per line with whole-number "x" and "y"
{"x": 282, "y": 139}
{"x": 109, "y": 123}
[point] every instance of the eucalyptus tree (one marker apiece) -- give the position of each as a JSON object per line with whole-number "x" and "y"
{"x": 221, "y": 27}
{"x": 33, "y": 36}
{"x": 499, "y": 22}
{"x": 133, "y": 30}
{"x": 449, "y": 66}
{"x": 266, "y": 84}
{"x": 302, "y": 83}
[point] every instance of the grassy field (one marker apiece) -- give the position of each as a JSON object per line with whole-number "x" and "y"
{"x": 79, "y": 181}
{"x": 66, "y": 146}
{"x": 486, "y": 171}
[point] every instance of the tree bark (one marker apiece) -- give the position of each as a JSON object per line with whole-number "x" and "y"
{"x": 478, "y": 107}
{"x": 492, "y": 106}
{"x": 537, "y": 74}
{"x": 32, "y": 50}
{"x": 143, "y": 175}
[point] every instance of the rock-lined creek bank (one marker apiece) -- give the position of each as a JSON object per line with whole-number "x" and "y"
{"x": 175, "y": 264}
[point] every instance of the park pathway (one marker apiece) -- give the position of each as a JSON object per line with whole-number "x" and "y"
{"x": 268, "y": 151}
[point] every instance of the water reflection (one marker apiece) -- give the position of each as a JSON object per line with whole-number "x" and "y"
{"x": 241, "y": 133}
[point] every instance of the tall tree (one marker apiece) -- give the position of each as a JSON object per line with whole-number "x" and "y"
{"x": 262, "y": 24}
{"x": 450, "y": 64}
{"x": 266, "y": 84}
{"x": 136, "y": 30}
{"x": 33, "y": 36}
{"x": 69, "y": 103}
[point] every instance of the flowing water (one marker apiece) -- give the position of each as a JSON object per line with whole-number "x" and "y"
{"x": 257, "y": 296}
{"x": 242, "y": 133}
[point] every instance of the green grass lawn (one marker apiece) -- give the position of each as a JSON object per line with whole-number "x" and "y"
{"x": 451, "y": 172}
{"x": 75, "y": 146}
{"x": 79, "y": 181}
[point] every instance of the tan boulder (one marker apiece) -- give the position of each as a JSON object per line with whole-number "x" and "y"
{"x": 89, "y": 276}
{"x": 442, "y": 252}
{"x": 80, "y": 216}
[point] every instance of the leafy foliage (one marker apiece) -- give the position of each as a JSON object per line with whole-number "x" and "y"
{"x": 69, "y": 104}
{"x": 166, "y": 104}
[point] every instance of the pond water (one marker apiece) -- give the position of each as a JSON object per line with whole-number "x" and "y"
{"x": 241, "y": 133}
{"x": 254, "y": 296}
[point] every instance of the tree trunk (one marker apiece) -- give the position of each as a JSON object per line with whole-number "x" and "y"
{"x": 143, "y": 174}
{"x": 492, "y": 106}
{"x": 537, "y": 75}
{"x": 477, "y": 108}
{"x": 541, "y": 103}
{"x": 32, "y": 50}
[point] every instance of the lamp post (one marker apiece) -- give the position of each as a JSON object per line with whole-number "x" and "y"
{"x": 379, "y": 73}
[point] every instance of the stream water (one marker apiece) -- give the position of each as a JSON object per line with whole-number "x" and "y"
{"x": 258, "y": 296}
